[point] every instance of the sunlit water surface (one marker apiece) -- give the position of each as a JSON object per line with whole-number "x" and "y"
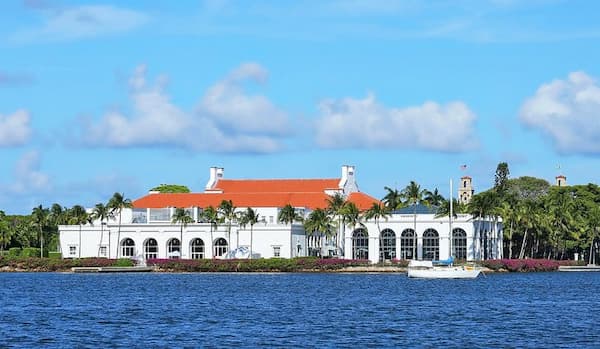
{"x": 543, "y": 310}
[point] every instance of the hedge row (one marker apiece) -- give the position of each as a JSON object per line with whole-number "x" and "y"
{"x": 524, "y": 265}
{"x": 52, "y": 264}
{"x": 254, "y": 265}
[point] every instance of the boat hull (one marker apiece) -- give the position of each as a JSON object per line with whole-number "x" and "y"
{"x": 444, "y": 273}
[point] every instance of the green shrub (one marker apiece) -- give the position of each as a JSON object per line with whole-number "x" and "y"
{"x": 30, "y": 252}
{"x": 123, "y": 262}
{"x": 54, "y": 255}
{"x": 14, "y": 251}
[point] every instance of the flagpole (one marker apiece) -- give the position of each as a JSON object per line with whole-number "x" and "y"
{"x": 450, "y": 223}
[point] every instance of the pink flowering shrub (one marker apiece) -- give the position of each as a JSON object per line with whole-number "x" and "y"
{"x": 254, "y": 265}
{"x": 521, "y": 265}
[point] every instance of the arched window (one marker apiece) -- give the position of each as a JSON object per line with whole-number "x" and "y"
{"x": 360, "y": 244}
{"x": 150, "y": 249}
{"x": 387, "y": 245}
{"x": 220, "y": 247}
{"x": 459, "y": 243}
{"x": 127, "y": 248}
{"x": 197, "y": 249}
{"x": 431, "y": 244}
{"x": 407, "y": 244}
{"x": 174, "y": 249}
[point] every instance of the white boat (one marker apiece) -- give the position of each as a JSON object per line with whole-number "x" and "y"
{"x": 444, "y": 269}
{"x": 427, "y": 270}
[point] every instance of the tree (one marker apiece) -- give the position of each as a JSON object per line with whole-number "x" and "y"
{"x": 181, "y": 216}
{"x": 434, "y": 198}
{"x": 414, "y": 195}
{"x": 58, "y": 216}
{"x": 39, "y": 216}
{"x": 117, "y": 203}
{"x": 249, "y": 217}
{"x": 481, "y": 207}
{"x": 352, "y": 215}
{"x": 288, "y": 215}
{"x": 501, "y": 178}
{"x": 377, "y": 211}
{"x": 171, "y": 188}
{"x": 227, "y": 213}
{"x": 318, "y": 221}
{"x": 392, "y": 199}
{"x": 335, "y": 205}
{"x": 5, "y": 231}
{"x": 78, "y": 216}
{"x": 101, "y": 212}
{"x": 211, "y": 216}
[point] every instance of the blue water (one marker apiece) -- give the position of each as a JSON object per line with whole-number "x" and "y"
{"x": 544, "y": 310}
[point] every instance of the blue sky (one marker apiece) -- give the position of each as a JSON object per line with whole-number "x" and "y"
{"x": 100, "y": 96}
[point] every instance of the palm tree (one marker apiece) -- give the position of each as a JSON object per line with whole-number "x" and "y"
{"x": 211, "y": 216}
{"x": 249, "y": 217}
{"x": 4, "y": 230}
{"x": 318, "y": 221}
{"x": 414, "y": 195}
{"x": 352, "y": 215}
{"x": 40, "y": 219}
{"x": 57, "y": 217}
{"x": 377, "y": 211}
{"x": 181, "y": 216}
{"x": 117, "y": 203}
{"x": 434, "y": 198}
{"x": 227, "y": 213}
{"x": 101, "y": 212}
{"x": 78, "y": 216}
{"x": 288, "y": 215}
{"x": 335, "y": 205}
{"x": 393, "y": 199}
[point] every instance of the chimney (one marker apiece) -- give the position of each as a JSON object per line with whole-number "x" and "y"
{"x": 348, "y": 181}
{"x": 215, "y": 174}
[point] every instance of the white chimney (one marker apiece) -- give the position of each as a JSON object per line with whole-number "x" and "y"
{"x": 348, "y": 181}
{"x": 215, "y": 174}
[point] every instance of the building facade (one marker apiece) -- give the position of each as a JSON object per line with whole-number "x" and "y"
{"x": 146, "y": 231}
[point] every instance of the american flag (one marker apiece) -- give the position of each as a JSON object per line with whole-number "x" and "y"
{"x": 463, "y": 167}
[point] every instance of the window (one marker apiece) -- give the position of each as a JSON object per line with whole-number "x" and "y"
{"x": 139, "y": 215}
{"x": 197, "y": 249}
{"x": 276, "y": 251}
{"x": 459, "y": 243}
{"x": 431, "y": 245}
{"x": 360, "y": 244}
{"x": 103, "y": 251}
{"x": 127, "y": 248}
{"x": 387, "y": 245}
{"x": 150, "y": 249}
{"x": 160, "y": 215}
{"x": 220, "y": 247}
{"x": 72, "y": 250}
{"x": 270, "y": 219}
{"x": 174, "y": 249}
{"x": 407, "y": 244}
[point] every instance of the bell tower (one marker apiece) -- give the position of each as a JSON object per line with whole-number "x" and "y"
{"x": 561, "y": 181}
{"x": 465, "y": 190}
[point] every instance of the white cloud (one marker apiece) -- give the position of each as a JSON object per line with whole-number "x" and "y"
{"x": 78, "y": 22}
{"x": 14, "y": 128}
{"x": 28, "y": 177}
{"x": 227, "y": 119}
{"x": 365, "y": 123}
{"x": 568, "y": 112}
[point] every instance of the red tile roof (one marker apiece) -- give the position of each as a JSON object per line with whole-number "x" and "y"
{"x": 308, "y": 200}
{"x": 276, "y": 185}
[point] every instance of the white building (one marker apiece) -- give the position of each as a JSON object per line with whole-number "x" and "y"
{"x": 146, "y": 231}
